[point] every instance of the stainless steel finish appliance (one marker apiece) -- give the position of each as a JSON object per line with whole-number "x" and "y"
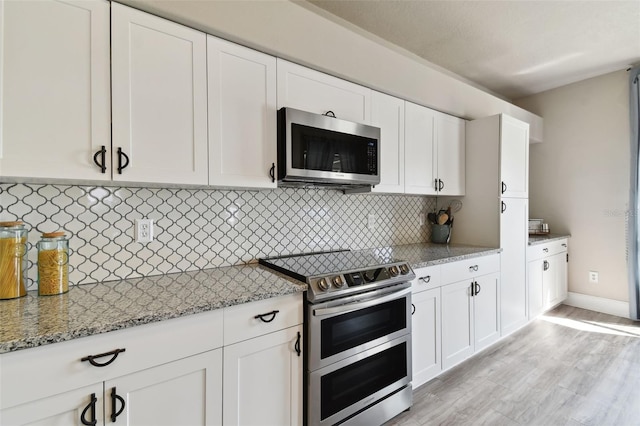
{"x": 320, "y": 150}
{"x": 357, "y": 335}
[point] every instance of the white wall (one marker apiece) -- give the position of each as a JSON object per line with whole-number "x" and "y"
{"x": 579, "y": 177}
{"x": 285, "y": 29}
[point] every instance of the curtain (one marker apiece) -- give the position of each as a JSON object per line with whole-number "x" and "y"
{"x": 634, "y": 198}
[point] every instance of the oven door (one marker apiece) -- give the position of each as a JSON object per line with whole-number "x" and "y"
{"x": 344, "y": 327}
{"x": 352, "y": 385}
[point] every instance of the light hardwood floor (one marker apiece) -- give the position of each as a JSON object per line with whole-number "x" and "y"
{"x": 569, "y": 367}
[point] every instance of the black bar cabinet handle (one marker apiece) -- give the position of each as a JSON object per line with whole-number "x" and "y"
{"x": 504, "y": 187}
{"x": 297, "y": 346}
{"x": 91, "y": 358}
{"x": 272, "y": 172}
{"x": 440, "y": 185}
{"x": 413, "y": 309}
{"x": 435, "y": 185}
{"x": 121, "y": 166}
{"x": 425, "y": 279}
{"x": 114, "y": 397}
{"x": 504, "y": 207}
{"x": 101, "y": 164}
{"x": 92, "y": 407}
{"x": 546, "y": 265}
{"x": 263, "y": 317}
{"x": 330, "y": 114}
{"x": 472, "y": 289}
{"x": 477, "y": 288}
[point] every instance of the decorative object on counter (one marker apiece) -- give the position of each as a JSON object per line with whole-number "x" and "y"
{"x": 538, "y": 227}
{"x": 441, "y": 224}
{"x": 13, "y": 262}
{"x": 53, "y": 264}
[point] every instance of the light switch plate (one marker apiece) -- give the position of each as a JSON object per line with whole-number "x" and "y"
{"x": 143, "y": 230}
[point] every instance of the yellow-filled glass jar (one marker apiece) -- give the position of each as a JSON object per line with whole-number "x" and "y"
{"x": 13, "y": 260}
{"x": 53, "y": 264}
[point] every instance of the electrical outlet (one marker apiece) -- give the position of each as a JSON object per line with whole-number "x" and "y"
{"x": 593, "y": 277}
{"x": 371, "y": 221}
{"x": 143, "y": 230}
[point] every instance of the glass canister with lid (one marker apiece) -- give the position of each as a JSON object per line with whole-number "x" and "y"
{"x": 13, "y": 260}
{"x": 53, "y": 264}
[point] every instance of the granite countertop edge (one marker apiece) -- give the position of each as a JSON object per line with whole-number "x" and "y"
{"x": 91, "y": 309}
{"x": 543, "y": 239}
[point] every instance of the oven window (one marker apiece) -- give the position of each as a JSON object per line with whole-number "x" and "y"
{"x": 355, "y": 382}
{"x": 346, "y": 331}
{"x": 329, "y": 151}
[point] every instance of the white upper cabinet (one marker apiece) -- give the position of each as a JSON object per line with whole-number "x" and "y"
{"x": 419, "y": 150}
{"x": 242, "y": 115}
{"x": 309, "y": 90}
{"x": 159, "y": 91}
{"x": 434, "y": 152}
{"x": 450, "y": 142}
{"x": 514, "y": 157}
{"x": 387, "y": 113}
{"x": 54, "y": 89}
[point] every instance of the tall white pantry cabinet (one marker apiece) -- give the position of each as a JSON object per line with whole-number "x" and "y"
{"x": 495, "y": 211}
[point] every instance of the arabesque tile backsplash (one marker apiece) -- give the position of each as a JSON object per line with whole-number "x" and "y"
{"x": 202, "y": 228}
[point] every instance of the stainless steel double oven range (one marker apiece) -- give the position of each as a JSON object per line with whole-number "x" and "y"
{"x": 357, "y": 335}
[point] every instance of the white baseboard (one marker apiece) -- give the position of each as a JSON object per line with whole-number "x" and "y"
{"x": 598, "y": 304}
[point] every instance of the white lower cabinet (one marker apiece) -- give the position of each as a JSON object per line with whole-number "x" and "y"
{"x": 547, "y": 275}
{"x": 426, "y": 336}
{"x": 263, "y": 380}
{"x": 470, "y": 309}
{"x": 183, "y": 392}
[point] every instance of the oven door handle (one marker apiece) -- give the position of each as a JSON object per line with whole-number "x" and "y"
{"x": 354, "y": 306}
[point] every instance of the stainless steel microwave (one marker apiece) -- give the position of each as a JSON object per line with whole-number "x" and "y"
{"x": 321, "y": 150}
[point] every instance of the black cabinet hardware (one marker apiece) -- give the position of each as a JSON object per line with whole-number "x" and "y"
{"x": 472, "y": 289}
{"x": 102, "y": 153}
{"x": 477, "y": 288}
{"x": 425, "y": 279}
{"x": 473, "y": 268}
{"x": 504, "y": 207}
{"x": 504, "y": 187}
{"x": 122, "y": 155}
{"x": 440, "y": 185}
{"x": 91, "y": 358}
{"x": 115, "y": 397}
{"x": 297, "y": 346}
{"x": 435, "y": 185}
{"x": 330, "y": 114}
{"x": 263, "y": 317}
{"x": 546, "y": 250}
{"x": 92, "y": 406}
{"x": 413, "y": 309}
{"x": 546, "y": 265}
{"x": 272, "y": 172}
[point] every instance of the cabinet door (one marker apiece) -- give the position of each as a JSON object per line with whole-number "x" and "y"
{"x": 183, "y": 392}
{"x": 513, "y": 240}
{"x": 450, "y": 141}
{"x": 556, "y": 274}
{"x": 159, "y": 92}
{"x": 535, "y": 272}
{"x": 514, "y": 157}
{"x": 263, "y": 380}
{"x": 242, "y": 115}
{"x": 387, "y": 113}
{"x": 457, "y": 334}
{"x": 425, "y": 336}
{"x": 64, "y": 409}
{"x": 54, "y": 93}
{"x": 486, "y": 310}
{"x": 419, "y": 150}
{"x": 309, "y": 90}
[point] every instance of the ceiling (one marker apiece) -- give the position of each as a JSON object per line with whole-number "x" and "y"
{"x": 512, "y": 48}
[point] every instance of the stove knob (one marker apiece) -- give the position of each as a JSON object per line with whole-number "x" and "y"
{"x": 394, "y": 271}
{"x": 337, "y": 281}
{"x": 323, "y": 285}
{"x": 404, "y": 269}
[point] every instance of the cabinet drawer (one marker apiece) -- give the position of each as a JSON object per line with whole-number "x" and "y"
{"x": 31, "y": 374}
{"x": 540, "y": 251}
{"x": 464, "y": 269}
{"x": 242, "y": 322}
{"x": 426, "y": 278}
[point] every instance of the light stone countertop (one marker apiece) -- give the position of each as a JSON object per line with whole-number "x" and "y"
{"x": 541, "y": 239}
{"x": 90, "y": 309}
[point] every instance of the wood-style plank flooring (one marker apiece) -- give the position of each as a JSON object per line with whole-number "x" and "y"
{"x": 569, "y": 367}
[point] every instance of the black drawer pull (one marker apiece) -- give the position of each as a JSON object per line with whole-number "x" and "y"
{"x": 477, "y": 288}
{"x": 425, "y": 279}
{"x": 473, "y": 268}
{"x": 91, "y": 358}
{"x": 272, "y": 172}
{"x": 546, "y": 250}
{"x": 102, "y": 153}
{"x": 122, "y": 155}
{"x": 263, "y": 317}
{"x": 115, "y": 397}
{"x": 92, "y": 407}
{"x": 413, "y": 309}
